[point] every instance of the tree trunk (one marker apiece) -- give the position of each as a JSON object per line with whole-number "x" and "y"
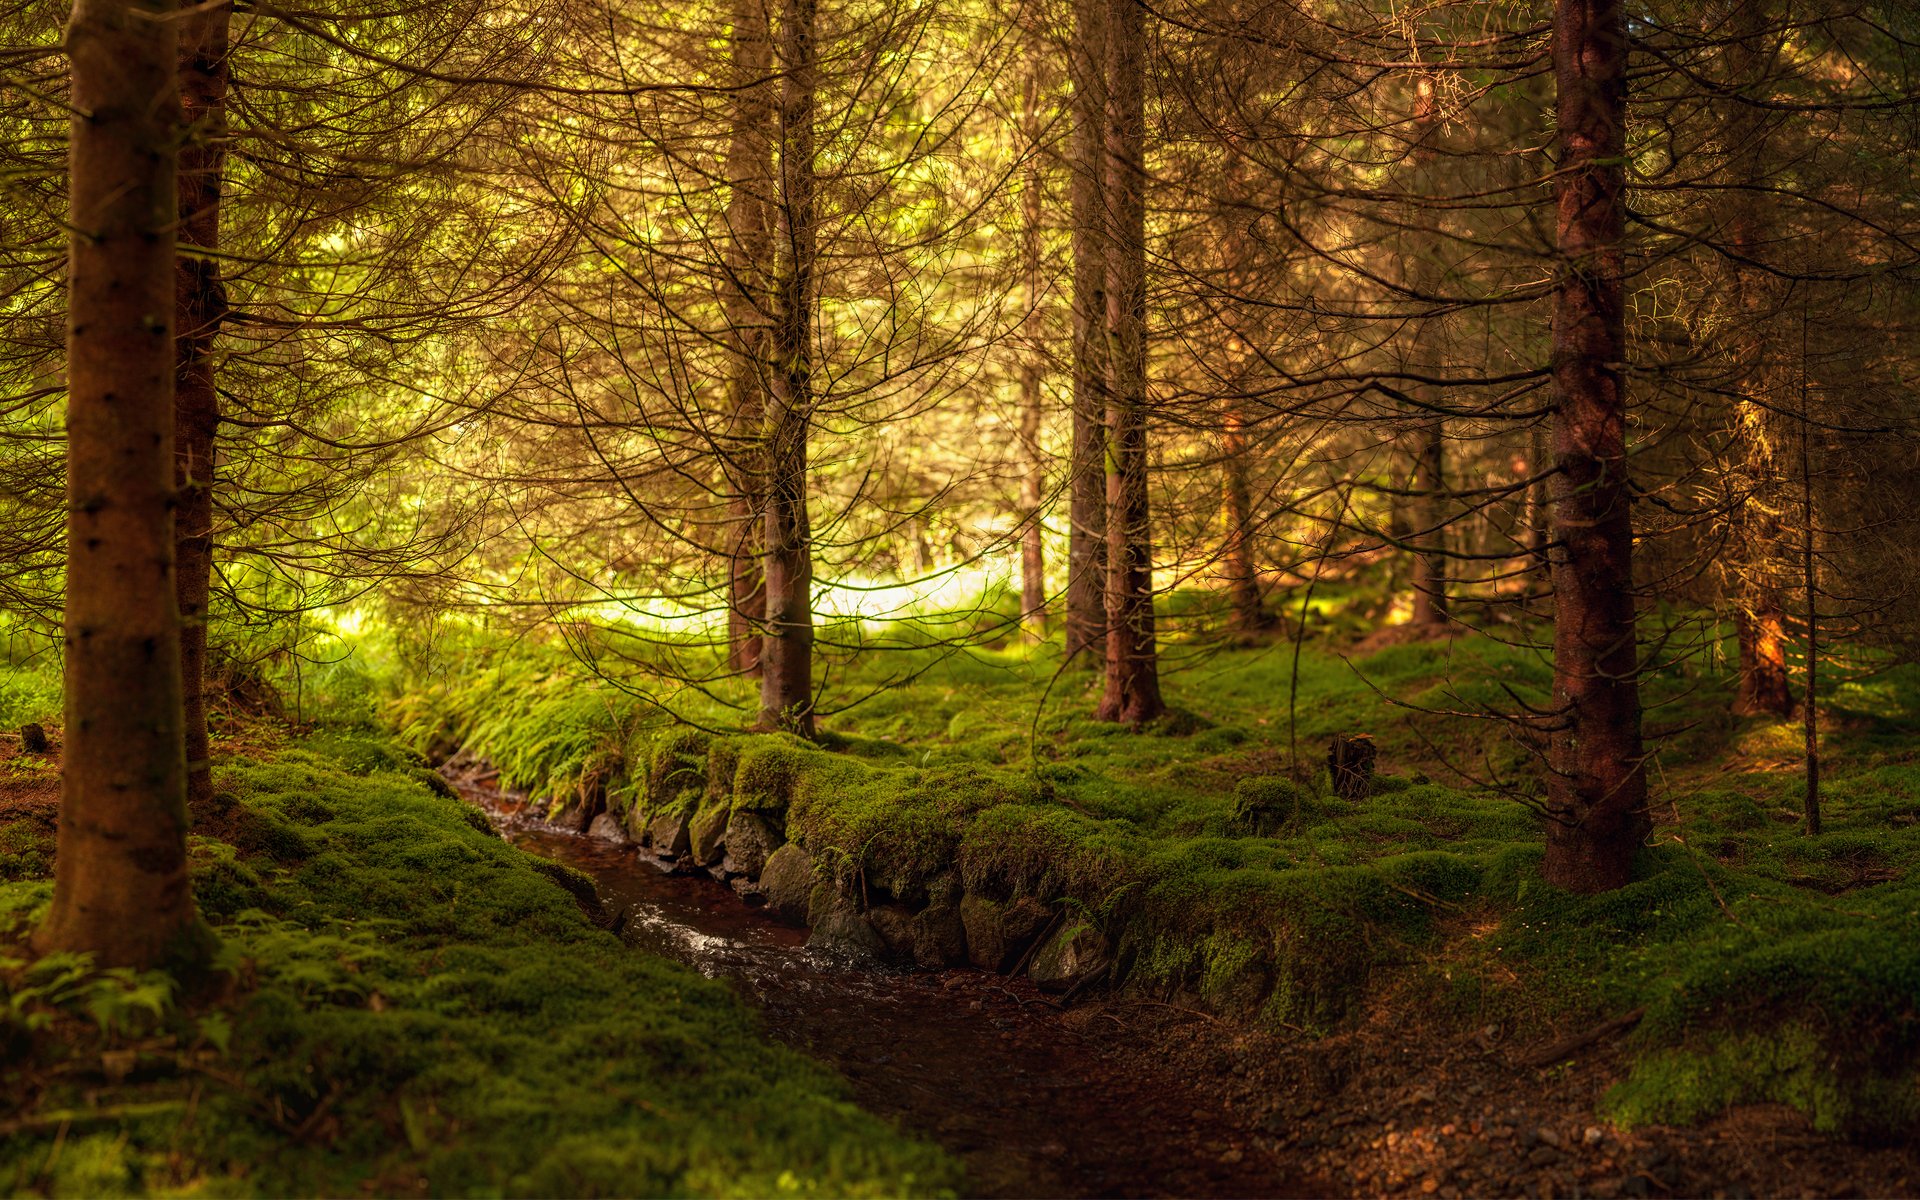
{"x": 121, "y": 885}
{"x": 1539, "y": 514}
{"x": 1756, "y": 546}
{"x": 1246, "y": 614}
{"x": 786, "y": 658}
{"x": 1033, "y": 484}
{"x": 1429, "y": 516}
{"x": 749, "y": 245}
{"x": 200, "y": 307}
{"x": 1596, "y": 800}
{"x": 1132, "y": 692}
{"x": 1086, "y": 484}
{"x": 1429, "y": 502}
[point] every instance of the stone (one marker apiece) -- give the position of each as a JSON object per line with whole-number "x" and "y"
{"x": 607, "y": 828}
{"x": 670, "y": 834}
{"x": 939, "y": 937}
{"x": 709, "y": 836}
{"x": 986, "y": 944}
{"x": 752, "y": 837}
{"x": 787, "y": 882}
{"x": 998, "y": 934}
{"x": 895, "y": 925}
{"x": 844, "y": 932}
{"x": 1070, "y": 958}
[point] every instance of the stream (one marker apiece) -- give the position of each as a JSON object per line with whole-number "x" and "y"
{"x": 1033, "y": 1099}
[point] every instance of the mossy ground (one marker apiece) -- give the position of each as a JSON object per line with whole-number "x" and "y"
{"x": 413, "y": 1006}
{"x": 1772, "y": 966}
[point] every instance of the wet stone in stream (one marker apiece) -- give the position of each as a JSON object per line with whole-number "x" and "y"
{"x": 1030, "y": 1098}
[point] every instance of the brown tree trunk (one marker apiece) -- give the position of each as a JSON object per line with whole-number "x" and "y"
{"x": 121, "y": 885}
{"x": 1086, "y": 483}
{"x": 1596, "y": 801}
{"x": 1429, "y": 515}
{"x": 1764, "y": 686}
{"x": 1246, "y": 614}
{"x": 200, "y": 301}
{"x": 1539, "y": 514}
{"x": 1033, "y": 484}
{"x": 1757, "y": 545}
{"x": 1132, "y": 692}
{"x": 1429, "y": 503}
{"x": 786, "y": 657}
{"x": 750, "y": 242}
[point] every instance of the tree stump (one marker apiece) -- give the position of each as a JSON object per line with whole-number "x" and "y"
{"x": 1350, "y": 762}
{"x": 33, "y": 739}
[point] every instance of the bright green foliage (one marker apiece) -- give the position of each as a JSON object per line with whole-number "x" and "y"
{"x": 416, "y": 1001}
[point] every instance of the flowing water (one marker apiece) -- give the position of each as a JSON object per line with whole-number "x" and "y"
{"x": 1033, "y": 1099}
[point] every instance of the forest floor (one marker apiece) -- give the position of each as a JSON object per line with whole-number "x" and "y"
{"x": 419, "y": 1008}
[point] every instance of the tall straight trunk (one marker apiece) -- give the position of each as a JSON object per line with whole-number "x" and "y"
{"x": 1429, "y": 502}
{"x": 744, "y": 295}
{"x": 1132, "y": 692}
{"x": 121, "y": 887}
{"x": 1539, "y": 512}
{"x": 1429, "y": 516}
{"x": 1033, "y": 560}
{"x": 1086, "y": 464}
{"x": 1596, "y": 801}
{"x": 1246, "y": 614}
{"x": 786, "y": 656}
{"x": 1758, "y": 542}
{"x": 200, "y": 308}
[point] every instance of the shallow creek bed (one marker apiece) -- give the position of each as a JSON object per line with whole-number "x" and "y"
{"x": 1010, "y": 1080}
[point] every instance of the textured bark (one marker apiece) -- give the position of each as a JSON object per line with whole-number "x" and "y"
{"x": 200, "y": 307}
{"x": 1764, "y": 685}
{"x": 121, "y": 886}
{"x": 786, "y": 657}
{"x": 1132, "y": 691}
{"x": 1596, "y": 800}
{"x": 744, "y": 295}
{"x": 1086, "y": 465}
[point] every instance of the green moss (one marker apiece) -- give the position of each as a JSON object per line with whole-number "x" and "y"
{"x": 421, "y": 1003}
{"x": 26, "y": 850}
{"x": 1786, "y": 1065}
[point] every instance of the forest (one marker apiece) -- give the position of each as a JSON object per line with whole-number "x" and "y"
{"x": 960, "y": 598}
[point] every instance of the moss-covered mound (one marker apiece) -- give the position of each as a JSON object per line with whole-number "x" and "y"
{"x": 414, "y": 1007}
{"x": 961, "y": 821}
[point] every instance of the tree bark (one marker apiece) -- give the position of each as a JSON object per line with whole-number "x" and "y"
{"x": 1596, "y": 802}
{"x": 1086, "y": 466}
{"x": 1429, "y": 482}
{"x": 1033, "y": 399}
{"x": 744, "y": 295}
{"x": 1132, "y": 691}
{"x": 786, "y": 657}
{"x": 200, "y": 308}
{"x": 1246, "y": 614}
{"x": 1757, "y": 542}
{"x": 121, "y": 885}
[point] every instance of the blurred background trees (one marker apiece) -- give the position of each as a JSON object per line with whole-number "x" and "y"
{"x": 729, "y": 341}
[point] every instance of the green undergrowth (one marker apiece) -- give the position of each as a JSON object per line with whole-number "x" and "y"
{"x": 415, "y": 1007}
{"x": 1772, "y": 967}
